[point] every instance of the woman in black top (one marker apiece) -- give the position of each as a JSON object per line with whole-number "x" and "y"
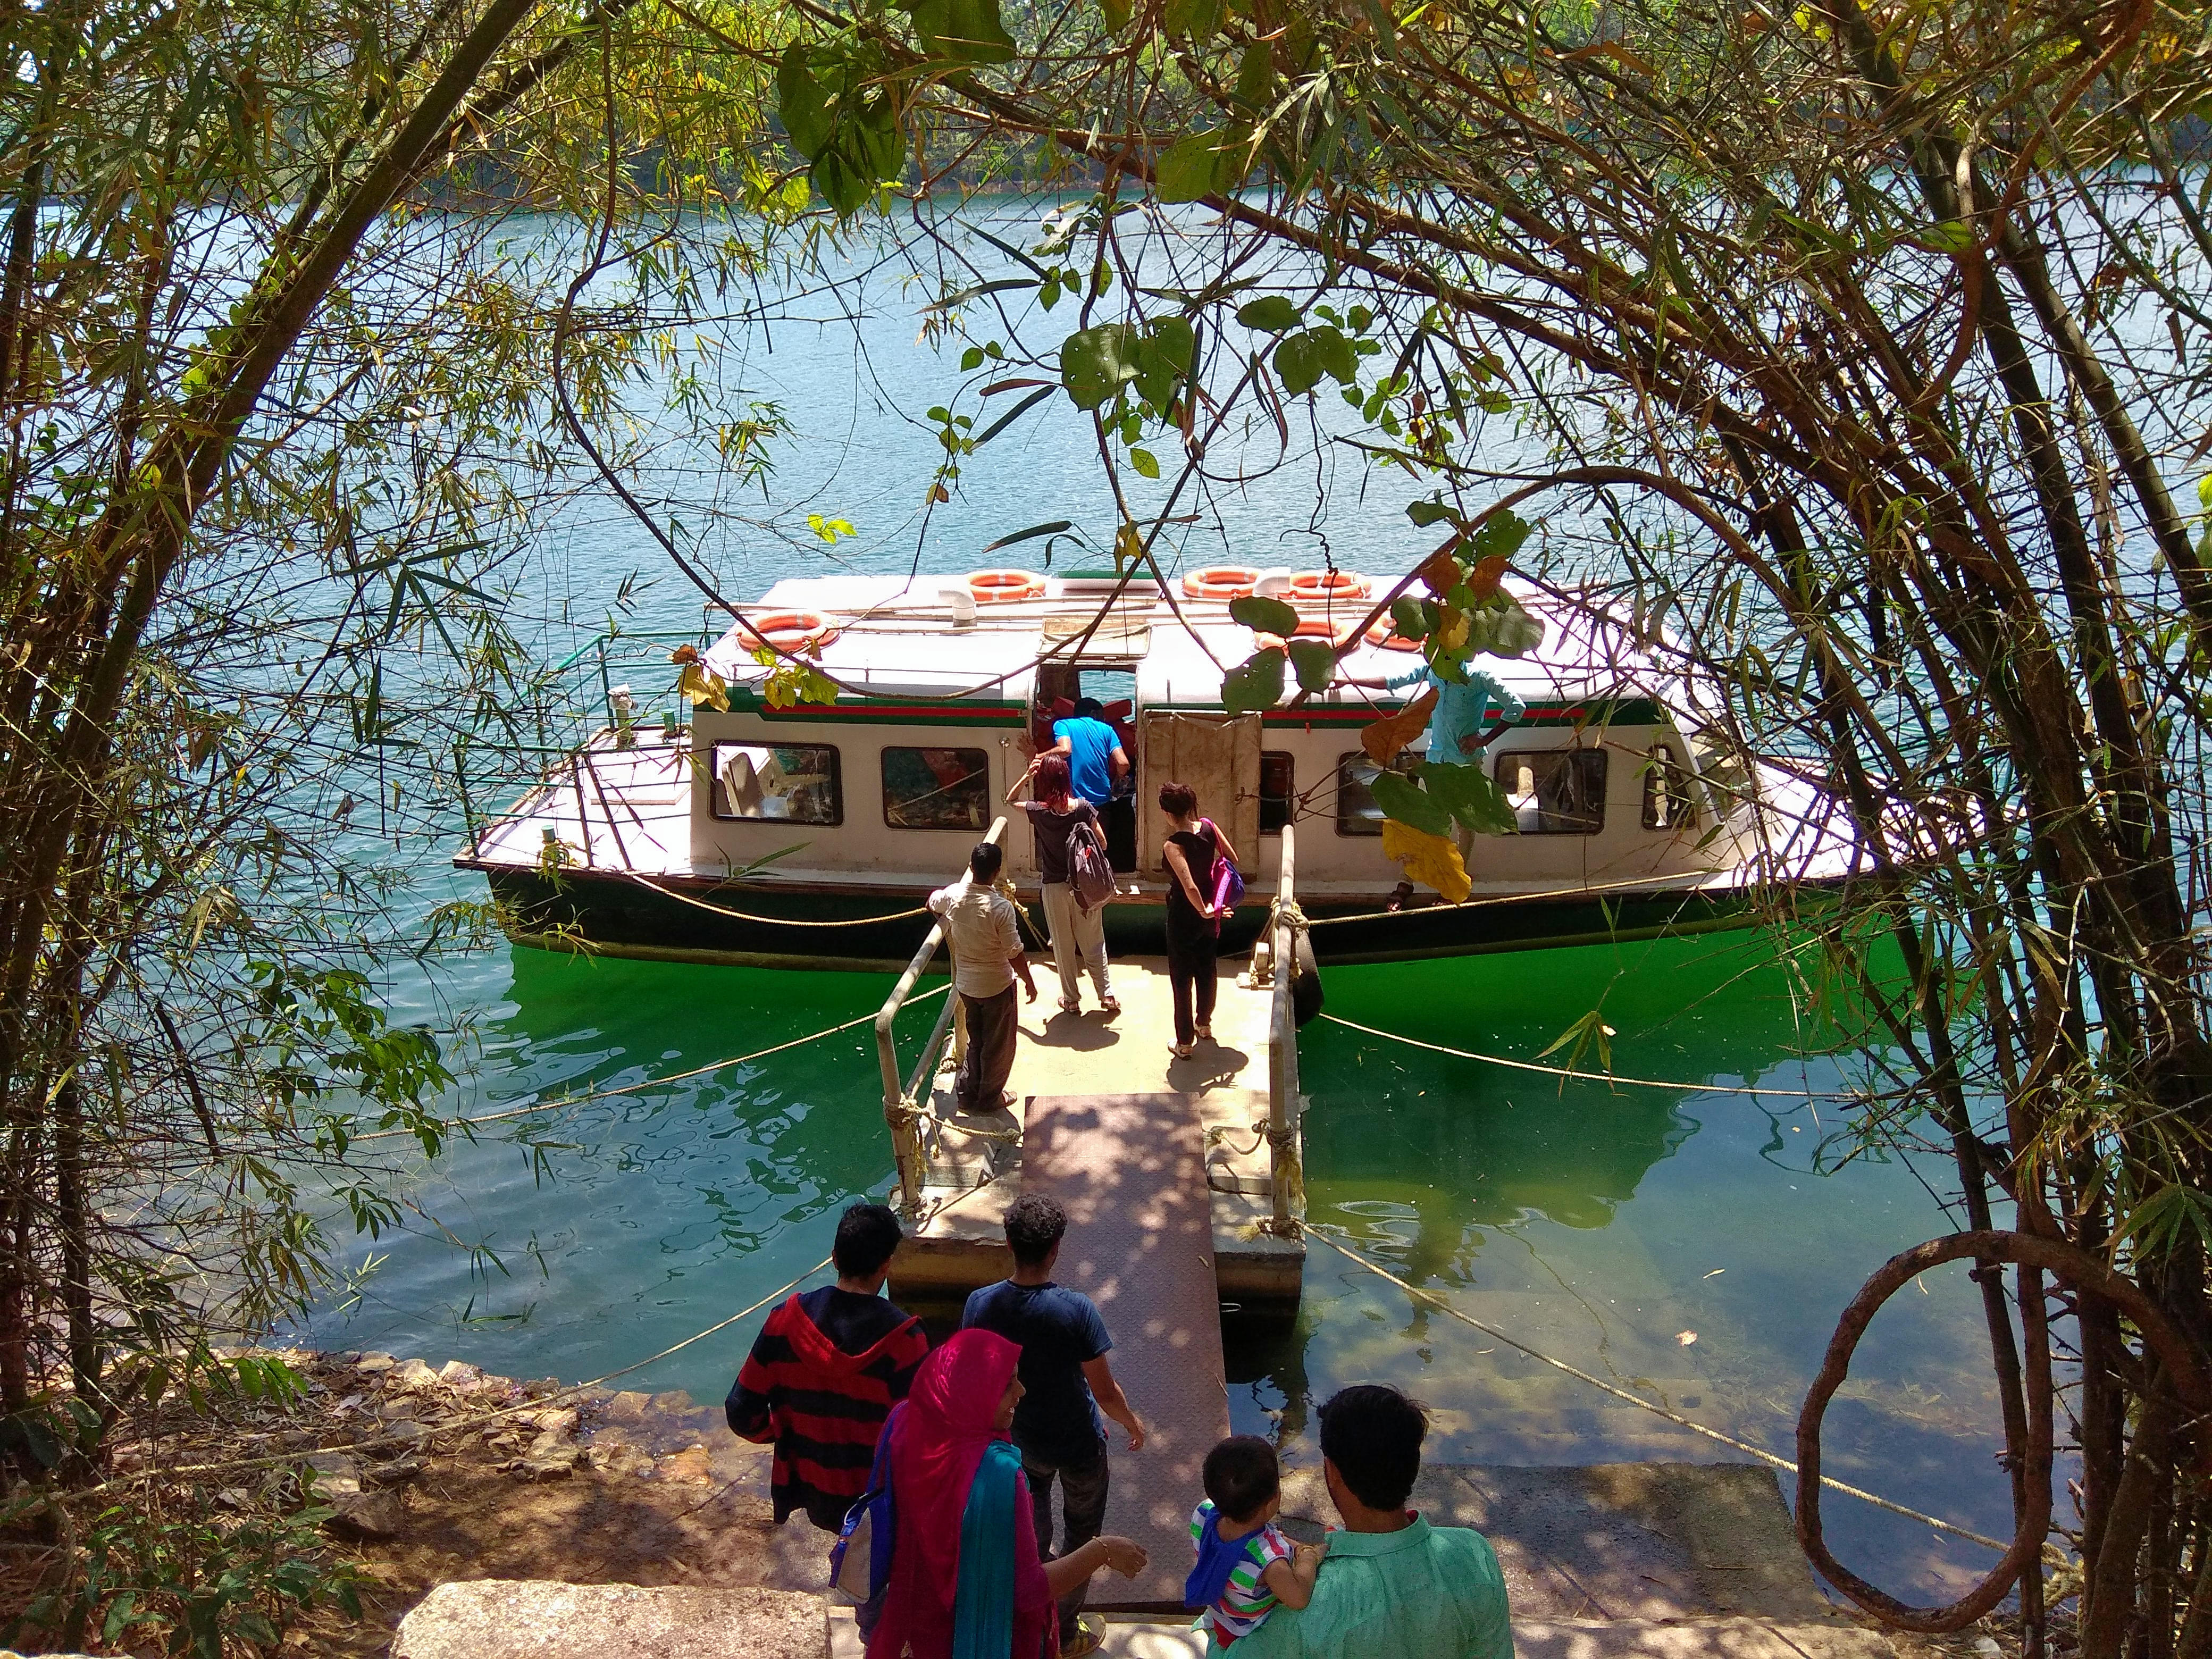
{"x": 1078, "y": 936}
{"x": 1194, "y": 925}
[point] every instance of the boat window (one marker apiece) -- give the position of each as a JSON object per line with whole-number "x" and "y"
{"x": 794, "y": 783}
{"x": 1357, "y": 814}
{"x": 937, "y": 788}
{"x": 1666, "y": 803}
{"x": 1730, "y": 779}
{"x": 1554, "y": 791}
{"x": 1277, "y": 780}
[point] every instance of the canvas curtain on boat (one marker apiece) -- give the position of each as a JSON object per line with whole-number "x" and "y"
{"x": 1217, "y": 755}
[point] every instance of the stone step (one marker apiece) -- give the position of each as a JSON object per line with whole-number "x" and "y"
{"x": 508, "y": 1618}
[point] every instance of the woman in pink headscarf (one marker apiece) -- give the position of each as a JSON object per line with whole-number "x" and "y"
{"x": 965, "y": 1581}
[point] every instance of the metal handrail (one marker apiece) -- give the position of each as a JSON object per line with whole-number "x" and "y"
{"x": 900, "y": 1103}
{"x": 1286, "y": 1169}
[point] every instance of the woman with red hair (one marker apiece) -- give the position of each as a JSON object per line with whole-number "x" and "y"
{"x": 1078, "y": 936}
{"x": 965, "y": 1580}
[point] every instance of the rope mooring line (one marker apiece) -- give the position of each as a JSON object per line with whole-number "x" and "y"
{"x": 661, "y": 1082}
{"x": 1442, "y": 1306}
{"x": 1591, "y": 1077}
{"x": 772, "y": 921}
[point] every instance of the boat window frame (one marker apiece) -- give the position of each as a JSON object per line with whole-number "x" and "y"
{"x": 718, "y": 795}
{"x": 1290, "y": 792}
{"x": 1569, "y": 753}
{"x": 883, "y": 780}
{"x": 1406, "y": 761}
{"x": 1665, "y": 775}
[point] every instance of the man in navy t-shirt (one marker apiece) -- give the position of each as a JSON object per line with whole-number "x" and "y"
{"x": 1064, "y": 1369}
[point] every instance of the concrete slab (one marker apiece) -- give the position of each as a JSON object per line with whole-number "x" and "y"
{"x": 1625, "y": 1638}
{"x": 536, "y": 1618}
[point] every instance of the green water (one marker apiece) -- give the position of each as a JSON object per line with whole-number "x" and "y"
{"x": 1596, "y": 1224}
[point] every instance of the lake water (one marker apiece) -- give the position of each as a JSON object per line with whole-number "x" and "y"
{"x": 1686, "y": 1244}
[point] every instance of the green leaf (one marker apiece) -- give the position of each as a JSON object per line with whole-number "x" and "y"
{"x": 1189, "y": 168}
{"x": 803, "y": 103}
{"x": 1946, "y": 236}
{"x": 1500, "y": 537}
{"x": 1094, "y": 363}
{"x": 1297, "y": 365}
{"x": 1514, "y": 633}
{"x": 1470, "y": 795}
{"x": 1271, "y": 313}
{"x": 1590, "y": 1029}
{"x": 38, "y": 1437}
{"x": 1197, "y": 19}
{"x": 1255, "y": 74}
{"x": 1265, "y": 616}
{"x": 1143, "y": 461}
{"x": 971, "y": 359}
{"x": 1315, "y": 661}
{"x": 965, "y": 31}
{"x": 2171, "y": 1218}
{"x": 1013, "y": 415}
{"x": 1401, "y": 798}
{"x": 1029, "y": 535}
{"x": 1426, "y": 513}
{"x": 1117, "y": 12}
{"x": 1254, "y": 686}
{"x": 1409, "y": 618}
{"x": 1164, "y": 358}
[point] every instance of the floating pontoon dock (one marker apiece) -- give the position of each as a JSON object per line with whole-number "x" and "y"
{"x": 1180, "y": 1179}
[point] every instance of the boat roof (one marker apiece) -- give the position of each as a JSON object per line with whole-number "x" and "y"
{"x": 897, "y": 637}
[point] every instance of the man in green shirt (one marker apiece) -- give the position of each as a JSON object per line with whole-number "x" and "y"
{"x": 1391, "y": 1585}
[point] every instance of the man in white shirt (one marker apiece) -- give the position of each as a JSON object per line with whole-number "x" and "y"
{"x": 985, "y": 938}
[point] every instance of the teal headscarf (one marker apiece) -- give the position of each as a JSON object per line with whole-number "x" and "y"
{"x": 983, "y": 1609}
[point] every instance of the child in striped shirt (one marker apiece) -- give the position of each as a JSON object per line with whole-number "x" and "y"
{"x": 1246, "y": 1567}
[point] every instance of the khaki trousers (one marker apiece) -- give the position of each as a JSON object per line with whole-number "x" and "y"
{"x": 1078, "y": 940}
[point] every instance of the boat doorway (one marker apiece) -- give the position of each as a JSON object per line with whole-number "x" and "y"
{"x": 1060, "y": 688}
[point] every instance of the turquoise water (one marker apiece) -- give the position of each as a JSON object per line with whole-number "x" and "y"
{"x": 1601, "y": 1225}
{"x": 1596, "y": 1224}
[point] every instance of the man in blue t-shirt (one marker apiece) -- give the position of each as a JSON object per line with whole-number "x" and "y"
{"x": 1096, "y": 763}
{"x": 1068, "y": 1383}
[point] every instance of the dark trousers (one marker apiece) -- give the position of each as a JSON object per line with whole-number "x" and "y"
{"x": 992, "y": 1024}
{"x": 1082, "y": 1518}
{"x": 1190, "y": 978}
{"x": 1118, "y": 818}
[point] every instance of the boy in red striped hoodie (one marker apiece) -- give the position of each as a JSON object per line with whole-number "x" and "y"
{"x": 824, "y": 1373}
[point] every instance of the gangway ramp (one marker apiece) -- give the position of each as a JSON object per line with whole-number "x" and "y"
{"x": 1130, "y": 1171}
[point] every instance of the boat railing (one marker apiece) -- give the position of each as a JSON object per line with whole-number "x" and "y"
{"x": 904, "y": 1099}
{"x": 579, "y": 710}
{"x": 1286, "y": 1168}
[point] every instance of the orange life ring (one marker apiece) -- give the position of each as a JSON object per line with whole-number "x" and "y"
{"x": 1330, "y": 584}
{"x": 1312, "y": 627}
{"x": 995, "y": 586}
{"x": 1221, "y": 581}
{"x": 1386, "y": 635}
{"x": 789, "y": 630}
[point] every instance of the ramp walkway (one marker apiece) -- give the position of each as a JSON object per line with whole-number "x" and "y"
{"x": 1130, "y": 1171}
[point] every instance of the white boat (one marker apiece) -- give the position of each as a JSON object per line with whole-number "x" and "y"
{"x": 811, "y": 835}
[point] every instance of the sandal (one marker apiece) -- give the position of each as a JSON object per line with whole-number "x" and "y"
{"x": 1109, "y": 1006}
{"x": 1070, "y": 1006}
{"x": 1206, "y": 1034}
{"x": 1182, "y": 1050}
